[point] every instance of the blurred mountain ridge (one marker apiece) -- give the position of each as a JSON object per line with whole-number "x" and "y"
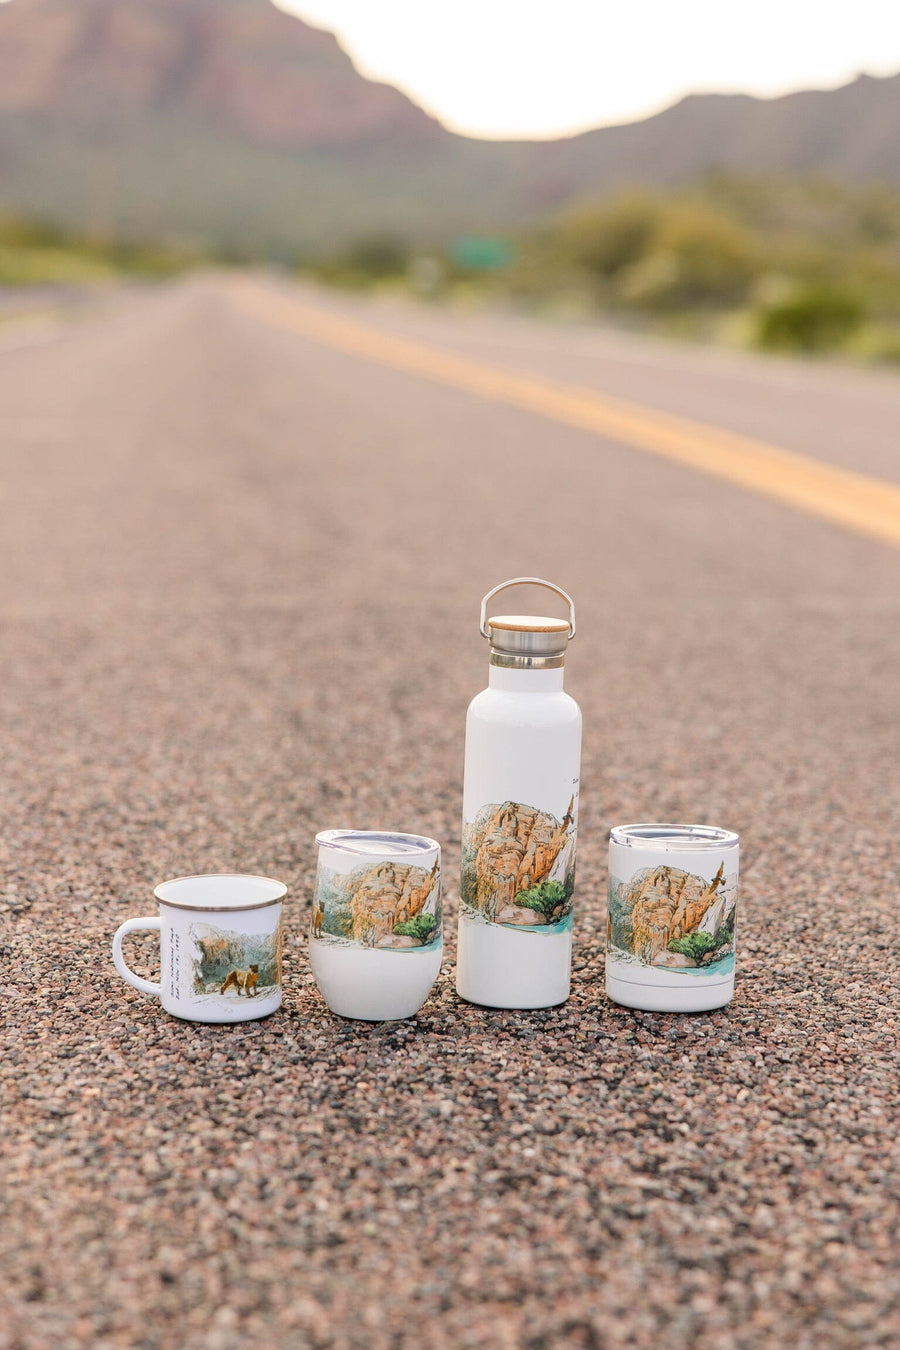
{"x": 244, "y": 65}
{"x": 233, "y": 122}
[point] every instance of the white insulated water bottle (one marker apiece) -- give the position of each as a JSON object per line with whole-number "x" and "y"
{"x": 520, "y": 810}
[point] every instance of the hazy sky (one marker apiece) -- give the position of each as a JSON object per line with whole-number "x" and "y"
{"x": 546, "y": 67}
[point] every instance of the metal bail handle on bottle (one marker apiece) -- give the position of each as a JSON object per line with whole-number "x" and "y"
{"x": 520, "y": 813}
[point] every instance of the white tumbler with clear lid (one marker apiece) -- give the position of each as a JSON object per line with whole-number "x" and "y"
{"x": 376, "y": 936}
{"x": 671, "y": 917}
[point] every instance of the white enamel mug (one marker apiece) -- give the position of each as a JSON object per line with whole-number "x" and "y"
{"x": 220, "y": 947}
{"x": 376, "y": 939}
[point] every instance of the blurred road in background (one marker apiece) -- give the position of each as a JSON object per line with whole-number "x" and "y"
{"x": 241, "y": 566}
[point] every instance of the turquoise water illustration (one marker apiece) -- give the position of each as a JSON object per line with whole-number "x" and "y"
{"x": 546, "y": 929}
{"x": 717, "y": 969}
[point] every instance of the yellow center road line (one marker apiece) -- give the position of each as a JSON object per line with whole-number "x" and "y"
{"x": 868, "y": 506}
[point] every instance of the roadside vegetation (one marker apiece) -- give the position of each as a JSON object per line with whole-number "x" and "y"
{"x": 790, "y": 265}
{"x": 801, "y": 266}
{"x": 38, "y": 253}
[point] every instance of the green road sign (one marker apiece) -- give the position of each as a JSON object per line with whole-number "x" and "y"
{"x": 474, "y": 253}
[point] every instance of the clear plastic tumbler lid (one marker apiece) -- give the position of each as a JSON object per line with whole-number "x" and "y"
{"x": 376, "y": 843}
{"x": 678, "y": 838}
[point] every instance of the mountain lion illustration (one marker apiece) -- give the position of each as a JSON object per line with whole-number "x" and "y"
{"x": 243, "y": 980}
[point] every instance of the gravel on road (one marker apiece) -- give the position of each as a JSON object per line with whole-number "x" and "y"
{"x": 240, "y": 587}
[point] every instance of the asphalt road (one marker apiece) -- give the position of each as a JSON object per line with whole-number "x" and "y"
{"x": 240, "y": 575}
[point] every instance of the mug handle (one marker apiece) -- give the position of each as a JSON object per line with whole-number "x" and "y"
{"x": 135, "y": 926}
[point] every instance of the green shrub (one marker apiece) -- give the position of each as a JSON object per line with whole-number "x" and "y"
{"x": 605, "y": 239}
{"x": 543, "y": 898}
{"x": 814, "y": 319}
{"x": 26, "y": 232}
{"x": 421, "y": 927}
{"x": 50, "y": 266}
{"x": 379, "y": 257}
{"x": 700, "y": 259}
{"x": 695, "y": 945}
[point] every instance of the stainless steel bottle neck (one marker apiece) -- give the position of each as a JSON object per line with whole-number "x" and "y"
{"x": 526, "y": 661}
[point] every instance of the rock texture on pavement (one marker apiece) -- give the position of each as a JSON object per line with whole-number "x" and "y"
{"x": 240, "y": 587}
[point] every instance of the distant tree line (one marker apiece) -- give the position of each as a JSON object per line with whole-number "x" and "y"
{"x": 35, "y": 252}
{"x": 797, "y": 265}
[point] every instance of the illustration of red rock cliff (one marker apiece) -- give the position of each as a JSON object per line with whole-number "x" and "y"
{"x": 660, "y": 906}
{"x": 386, "y": 897}
{"x": 509, "y": 851}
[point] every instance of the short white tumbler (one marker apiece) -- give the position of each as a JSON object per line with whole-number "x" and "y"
{"x": 376, "y": 938}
